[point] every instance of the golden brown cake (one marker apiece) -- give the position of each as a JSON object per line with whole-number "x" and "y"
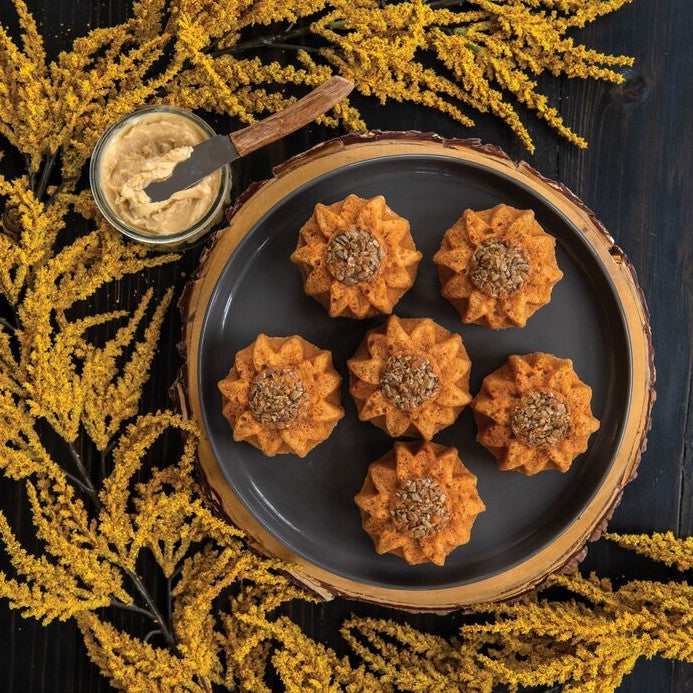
{"x": 356, "y": 257}
{"x": 419, "y": 502}
{"x": 533, "y": 413}
{"x": 497, "y": 266}
{"x": 410, "y": 377}
{"x": 282, "y": 395}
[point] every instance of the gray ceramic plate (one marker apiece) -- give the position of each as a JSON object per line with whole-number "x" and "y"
{"x": 307, "y": 504}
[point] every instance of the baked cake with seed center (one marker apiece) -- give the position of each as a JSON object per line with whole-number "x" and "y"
{"x": 419, "y": 502}
{"x": 410, "y": 377}
{"x": 534, "y": 413}
{"x": 356, "y": 257}
{"x": 497, "y": 266}
{"x": 282, "y": 395}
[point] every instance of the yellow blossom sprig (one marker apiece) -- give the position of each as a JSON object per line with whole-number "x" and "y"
{"x": 33, "y": 245}
{"x": 192, "y": 52}
{"x": 50, "y": 362}
{"x": 93, "y": 538}
{"x": 659, "y": 546}
{"x": 587, "y": 645}
{"x": 501, "y": 45}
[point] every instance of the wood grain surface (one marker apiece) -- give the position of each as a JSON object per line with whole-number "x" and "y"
{"x": 635, "y": 176}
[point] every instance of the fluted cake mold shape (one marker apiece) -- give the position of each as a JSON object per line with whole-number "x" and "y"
{"x": 497, "y": 266}
{"x": 410, "y": 377}
{"x": 534, "y": 414}
{"x": 356, "y": 257}
{"x": 282, "y": 395}
{"x": 419, "y": 502}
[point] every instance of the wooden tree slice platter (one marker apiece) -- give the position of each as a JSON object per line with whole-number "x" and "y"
{"x": 302, "y": 511}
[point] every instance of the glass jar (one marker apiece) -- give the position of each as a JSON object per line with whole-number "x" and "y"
{"x": 161, "y": 240}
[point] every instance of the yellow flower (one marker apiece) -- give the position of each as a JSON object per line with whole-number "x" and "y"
{"x": 663, "y": 547}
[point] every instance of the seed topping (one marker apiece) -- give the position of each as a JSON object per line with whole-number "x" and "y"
{"x": 541, "y": 418}
{"x": 354, "y": 256}
{"x": 275, "y": 397}
{"x": 499, "y": 267}
{"x": 408, "y": 380}
{"x": 420, "y": 508}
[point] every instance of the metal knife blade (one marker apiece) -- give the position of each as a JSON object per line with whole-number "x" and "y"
{"x": 206, "y": 158}
{"x": 218, "y": 151}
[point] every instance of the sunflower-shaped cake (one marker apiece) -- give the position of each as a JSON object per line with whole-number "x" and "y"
{"x": 497, "y": 266}
{"x": 282, "y": 395}
{"x": 533, "y": 413}
{"x": 419, "y": 502}
{"x": 410, "y": 377}
{"x": 356, "y": 257}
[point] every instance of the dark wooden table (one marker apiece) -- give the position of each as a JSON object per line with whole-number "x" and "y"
{"x": 635, "y": 175}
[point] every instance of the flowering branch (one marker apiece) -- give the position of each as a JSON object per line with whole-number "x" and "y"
{"x": 152, "y": 609}
{"x": 86, "y": 484}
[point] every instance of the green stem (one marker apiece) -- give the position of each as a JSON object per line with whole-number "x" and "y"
{"x": 169, "y": 600}
{"x": 276, "y": 41}
{"x": 151, "y": 633}
{"x": 104, "y": 457}
{"x": 131, "y": 607}
{"x": 85, "y": 478}
{"x": 30, "y": 173}
{"x": 262, "y": 41}
{"x": 156, "y": 614}
{"x": 76, "y": 482}
{"x": 45, "y": 175}
{"x": 441, "y": 4}
{"x": 102, "y": 464}
{"x": 176, "y": 572}
{"x": 8, "y": 325}
{"x": 295, "y": 47}
{"x": 58, "y": 189}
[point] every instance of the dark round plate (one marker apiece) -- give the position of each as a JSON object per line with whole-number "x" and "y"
{"x": 307, "y": 504}
{"x": 302, "y": 510}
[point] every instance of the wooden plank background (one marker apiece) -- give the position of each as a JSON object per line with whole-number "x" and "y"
{"x": 635, "y": 175}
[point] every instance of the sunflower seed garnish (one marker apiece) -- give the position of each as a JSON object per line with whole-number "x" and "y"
{"x": 541, "y": 418}
{"x": 408, "y": 380}
{"x": 354, "y": 256}
{"x": 275, "y": 397}
{"x": 420, "y": 508}
{"x": 498, "y": 267}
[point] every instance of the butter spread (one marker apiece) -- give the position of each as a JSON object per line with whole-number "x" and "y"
{"x": 147, "y": 149}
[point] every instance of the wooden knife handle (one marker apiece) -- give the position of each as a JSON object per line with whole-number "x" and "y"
{"x": 297, "y": 115}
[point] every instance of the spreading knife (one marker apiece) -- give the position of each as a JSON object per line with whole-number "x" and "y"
{"x": 220, "y": 150}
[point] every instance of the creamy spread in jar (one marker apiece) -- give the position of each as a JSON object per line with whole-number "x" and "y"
{"x": 147, "y": 149}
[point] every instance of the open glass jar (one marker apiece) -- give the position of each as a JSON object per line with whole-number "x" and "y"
{"x": 129, "y": 155}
